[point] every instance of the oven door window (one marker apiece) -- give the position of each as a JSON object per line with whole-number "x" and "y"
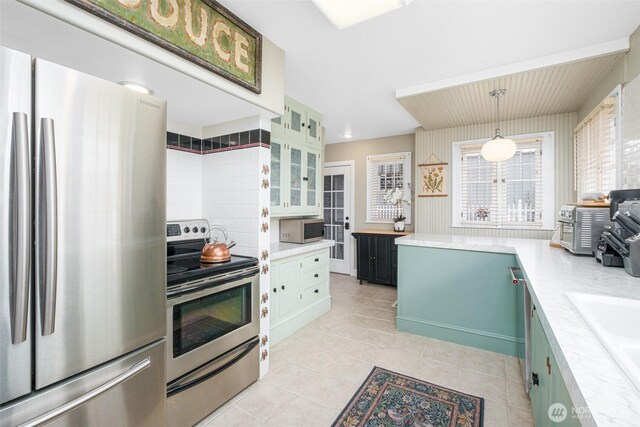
{"x": 567, "y": 235}
{"x": 199, "y": 321}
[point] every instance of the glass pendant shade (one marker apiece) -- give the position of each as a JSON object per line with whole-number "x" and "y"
{"x": 498, "y": 149}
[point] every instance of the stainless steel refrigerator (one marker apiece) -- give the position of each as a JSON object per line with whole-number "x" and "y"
{"x": 82, "y": 248}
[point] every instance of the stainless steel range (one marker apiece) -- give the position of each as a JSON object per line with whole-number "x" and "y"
{"x": 212, "y": 325}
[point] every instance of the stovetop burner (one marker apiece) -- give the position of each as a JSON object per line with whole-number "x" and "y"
{"x": 183, "y": 263}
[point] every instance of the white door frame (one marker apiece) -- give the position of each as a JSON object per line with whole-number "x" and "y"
{"x": 352, "y": 206}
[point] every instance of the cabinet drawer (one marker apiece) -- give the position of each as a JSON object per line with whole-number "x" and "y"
{"x": 315, "y": 293}
{"x": 316, "y": 260}
{"x": 314, "y": 277}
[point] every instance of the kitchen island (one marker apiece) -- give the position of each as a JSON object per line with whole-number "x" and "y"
{"x": 594, "y": 381}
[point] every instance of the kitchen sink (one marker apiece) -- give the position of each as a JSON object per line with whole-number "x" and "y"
{"x": 615, "y": 322}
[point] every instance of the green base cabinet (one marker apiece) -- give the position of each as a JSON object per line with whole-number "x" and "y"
{"x": 550, "y": 400}
{"x": 465, "y": 297}
{"x": 299, "y": 292}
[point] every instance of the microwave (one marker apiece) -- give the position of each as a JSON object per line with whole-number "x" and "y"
{"x": 301, "y": 230}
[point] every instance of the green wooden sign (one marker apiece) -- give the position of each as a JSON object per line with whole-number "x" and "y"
{"x": 202, "y": 31}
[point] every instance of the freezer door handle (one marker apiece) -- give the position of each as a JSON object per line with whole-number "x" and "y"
{"x": 47, "y": 225}
{"x": 76, "y": 403}
{"x": 20, "y": 213}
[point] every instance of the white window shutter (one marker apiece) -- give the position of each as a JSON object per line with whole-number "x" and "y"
{"x": 505, "y": 194}
{"x": 386, "y": 172}
{"x": 595, "y": 150}
{"x": 630, "y": 170}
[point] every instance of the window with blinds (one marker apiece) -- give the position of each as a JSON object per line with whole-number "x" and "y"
{"x": 517, "y": 193}
{"x": 595, "y": 147}
{"x": 630, "y": 170}
{"x": 387, "y": 172}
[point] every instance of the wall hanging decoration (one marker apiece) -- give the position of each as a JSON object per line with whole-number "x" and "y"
{"x": 433, "y": 178}
{"x": 201, "y": 31}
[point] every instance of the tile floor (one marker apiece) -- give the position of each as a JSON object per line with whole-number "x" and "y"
{"x": 315, "y": 371}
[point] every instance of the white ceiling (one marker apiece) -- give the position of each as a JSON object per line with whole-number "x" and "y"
{"x": 350, "y": 75}
{"x": 550, "y": 90}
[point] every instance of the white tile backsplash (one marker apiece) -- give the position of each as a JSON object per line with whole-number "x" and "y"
{"x": 184, "y": 185}
{"x": 275, "y": 230}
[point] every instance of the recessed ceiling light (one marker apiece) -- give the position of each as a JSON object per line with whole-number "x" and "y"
{"x": 138, "y": 87}
{"x": 344, "y": 13}
{"x": 347, "y": 135}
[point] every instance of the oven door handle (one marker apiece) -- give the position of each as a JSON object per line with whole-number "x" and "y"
{"x": 174, "y": 293}
{"x": 210, "y": 369}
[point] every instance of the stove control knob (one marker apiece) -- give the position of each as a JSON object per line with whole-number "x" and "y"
{"x": 195, "y": 229}
{"x": 202, "y": 229}
{"x": 187, "y": 229}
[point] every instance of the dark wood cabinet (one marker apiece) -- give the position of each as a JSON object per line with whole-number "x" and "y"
{"x": 377, "y": 256}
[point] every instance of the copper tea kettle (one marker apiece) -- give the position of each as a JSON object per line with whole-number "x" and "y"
{"x": 216, "y": 251}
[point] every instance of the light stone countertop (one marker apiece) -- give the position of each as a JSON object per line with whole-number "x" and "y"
{"x": 283, "y": 250}
{"x": 593, "y": 378}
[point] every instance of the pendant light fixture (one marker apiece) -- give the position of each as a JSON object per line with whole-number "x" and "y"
{"x": 498, "y": 148}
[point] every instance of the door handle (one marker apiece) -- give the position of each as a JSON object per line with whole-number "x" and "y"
{"x": 68, "y": 407}
{"x": 47, "y": 225}
{"x": 513, "y": 271}
{"x": 346, "y": 225}
{"x": 20, "y": 211}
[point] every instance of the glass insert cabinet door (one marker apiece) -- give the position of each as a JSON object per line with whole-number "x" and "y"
{"x": 276, "y": 170}
{"x": 202, "y": 320}
{"x": 312, "y": 171}
{"x": 296, "y": 177}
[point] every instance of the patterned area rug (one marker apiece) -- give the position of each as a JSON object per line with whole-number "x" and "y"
{"x": 389, "y": 399}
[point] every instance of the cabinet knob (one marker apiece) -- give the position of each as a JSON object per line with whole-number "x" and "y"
{"x": 315, "y": 275}
{"x": 317, "y": 260}
{"x": 304, "y": 178}
{"x": 282, "y": 287}
{"x": 316, "y": 291}
{"x": 275, "y": 289}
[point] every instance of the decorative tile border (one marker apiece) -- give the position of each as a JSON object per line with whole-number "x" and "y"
{"x": 233, "y": 141}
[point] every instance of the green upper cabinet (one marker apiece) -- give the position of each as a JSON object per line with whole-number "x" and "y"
{"x": 295, "y": 123}
{"x": 314, "y": 128}
{"x": 277, "y": 127}
{"x": 296, "y": 166}
{"x": 278, "y": 175}
{"x": 295, "y": 172}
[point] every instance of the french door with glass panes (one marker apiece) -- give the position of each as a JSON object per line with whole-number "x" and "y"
{"x": 337, "y": 216}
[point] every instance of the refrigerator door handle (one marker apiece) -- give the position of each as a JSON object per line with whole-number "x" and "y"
{"x": 21, "y": 261}
{"x": 70, "y": 406}
{"x": 47, "y": 224}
